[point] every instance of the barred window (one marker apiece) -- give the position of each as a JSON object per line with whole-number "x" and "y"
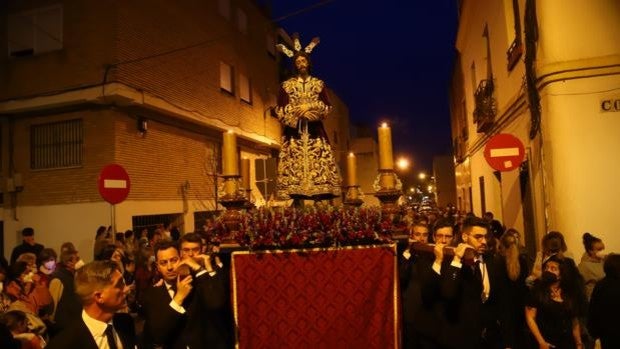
{"x": 56, "y": 145}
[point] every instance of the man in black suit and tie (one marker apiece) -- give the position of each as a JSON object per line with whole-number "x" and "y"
{"x": 470, "y": 314}
{"x": 421, "y": 302}
{"x": 174, "y": 309}
{"x": 102, "y": 290}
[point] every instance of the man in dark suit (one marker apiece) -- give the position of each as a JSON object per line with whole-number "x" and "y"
{"x": 174, "y": 309}
{"x": 28, "y": 245}
{"x": 218, "y": 323}
{"x": 470, "y": 314}
{"x": 421, "y": 302}
{"x": 102, "y": 290}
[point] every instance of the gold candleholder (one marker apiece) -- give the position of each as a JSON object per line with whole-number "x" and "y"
{"x": 388, "y": 189}
{"x": 352, "y": 197}
{"x": 234, "y": 202}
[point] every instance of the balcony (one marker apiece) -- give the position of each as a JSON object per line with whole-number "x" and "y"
{"x": 486, "y": 106}
{"x": 514, "y": 53}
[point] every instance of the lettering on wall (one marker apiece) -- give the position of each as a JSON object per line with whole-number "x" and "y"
{"x": 610, "y": 104}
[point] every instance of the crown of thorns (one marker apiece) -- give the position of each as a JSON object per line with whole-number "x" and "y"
{"x": 297, "y": 46}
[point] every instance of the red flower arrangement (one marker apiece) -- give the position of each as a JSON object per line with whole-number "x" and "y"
{"x": 285, "y": 228}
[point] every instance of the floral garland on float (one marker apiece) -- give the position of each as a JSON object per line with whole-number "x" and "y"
{"x": 292, "y": 228}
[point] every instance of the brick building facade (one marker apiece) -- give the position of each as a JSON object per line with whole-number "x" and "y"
{"x": 143, "y": 84}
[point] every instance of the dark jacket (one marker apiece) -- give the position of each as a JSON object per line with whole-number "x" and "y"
{"x": 603, "y": 321}
{"x": 170, "y": 329}
{"x": 25, "y": 248}
{"x": 69, "y": 306}
{"x": 467, "y": 321}
{"x": 78, "y": 336}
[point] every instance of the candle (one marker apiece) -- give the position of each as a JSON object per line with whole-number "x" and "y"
{"x": 245, "y": 174}
{"x": 351, "y": 169}
{"x": 386, "y": 160}
{"x": 230, "y": 159}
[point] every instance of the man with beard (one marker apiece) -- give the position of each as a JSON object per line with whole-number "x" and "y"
{"x": 469, "y": 305}
{"x": 306, "y": 168}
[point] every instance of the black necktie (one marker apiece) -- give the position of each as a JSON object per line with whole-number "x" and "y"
{"x": 173, "y": 288}
{"x": 477, "y": 272}
{"x": 109, "y": 333}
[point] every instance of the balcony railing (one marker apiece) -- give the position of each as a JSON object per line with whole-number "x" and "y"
{"x": 486, "y": 108}
{"x": 514, "y": 53}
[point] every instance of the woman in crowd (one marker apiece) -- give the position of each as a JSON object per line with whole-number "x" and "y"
{"x": 591, "y": 265}
{"x": 35, "y": 293}
{"x": 47, "y": 262}
{"x": 551, "y": 310}
{"x": 102, "y": 239}
{"x": 512, "y": 270}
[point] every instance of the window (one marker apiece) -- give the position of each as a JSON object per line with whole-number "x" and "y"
{"x": 513, "y": 28}
{"x": 224, "y": 8}
{"x": 487, "y": 39}
{"x": 242, "y": 21}
{"x": 226, "y": 78}
{"x": 35, "y": 32}
{"x": 245, "y": 89}
{"x": 56, "y": 145}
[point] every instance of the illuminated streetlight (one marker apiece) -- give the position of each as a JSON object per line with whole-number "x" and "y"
{"x": 402, "y": 163}
{"x": 422, "y": 176}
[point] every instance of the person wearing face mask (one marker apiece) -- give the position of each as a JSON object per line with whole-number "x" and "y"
{"x": 551, "y": 311}
{"x": 591, "y": 265}
{"x": 47, "y": 265}
{"x": 69, "y": 247}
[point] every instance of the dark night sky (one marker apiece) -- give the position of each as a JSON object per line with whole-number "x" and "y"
{"x": 387, "y": 60}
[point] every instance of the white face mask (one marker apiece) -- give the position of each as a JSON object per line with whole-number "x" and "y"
{"x": 79, "y": 264}
{"x": 50, "y": 265}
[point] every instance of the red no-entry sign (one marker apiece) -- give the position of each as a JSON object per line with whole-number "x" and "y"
{"x": 114, "y": 184}
{"x": 504, "y": 152}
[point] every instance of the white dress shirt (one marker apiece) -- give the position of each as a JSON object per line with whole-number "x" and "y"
{"x": 97, "y": 330}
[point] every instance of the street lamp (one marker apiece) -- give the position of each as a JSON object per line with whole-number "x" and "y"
{"x": 402, "y": 163}
{"x": 422, "y": 176}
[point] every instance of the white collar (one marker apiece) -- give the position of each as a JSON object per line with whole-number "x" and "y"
{"x": 96, "y": 327}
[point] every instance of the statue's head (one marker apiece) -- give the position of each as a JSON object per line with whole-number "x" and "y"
{"x": 301, "y": 57}
{"x": 302, "y": 63}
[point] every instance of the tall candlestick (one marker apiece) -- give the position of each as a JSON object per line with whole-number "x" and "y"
{"x": 245, "y": 174}
{"x": 230, "y": 159}
{"x": 351, "y": 170}
{"x": 386, "y": 160}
